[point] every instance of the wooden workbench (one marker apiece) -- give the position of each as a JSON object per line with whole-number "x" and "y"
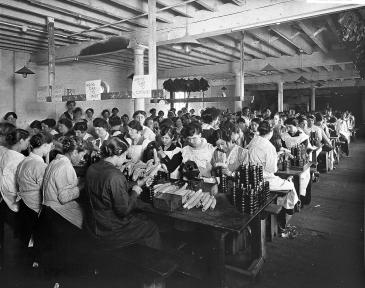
{"x": 220, "y": 222}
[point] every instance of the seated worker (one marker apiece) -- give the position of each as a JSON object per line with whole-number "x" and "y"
{"x": 198, "y": 150}
{"x": 210, "y": 118}
{"x": 228, "y": 154}
{"x": 169, "y": 154}
{"x": 262, "y": 152}
{"x": 292, "y": 138}
{"x": 70, "y": 105}
{"x": 61, "y": 217}
{"x": 29, "y": 177}
{"x": 78, "y": 115}
{"x": 48, "y": 126}
{"x": 344, "y": 132}
{"x": 65, "y": 128}
{"x": 322, "y": 137}
{"x": 115, "y": 122}
{"x": 80, "y": 129}
{"x": 252, "y": 132}
{"x": 110, "y": 202}
{"x": 11, "y": 118}
{"x": 35, "y": 127}
{"x": 147, "y": 133}
{"x": 137, "y": 142}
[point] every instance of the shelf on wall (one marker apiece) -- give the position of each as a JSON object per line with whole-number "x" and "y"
{"x": 205, "y": 99}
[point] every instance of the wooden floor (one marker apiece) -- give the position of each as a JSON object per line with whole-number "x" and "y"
{"x": 328, "y": 252}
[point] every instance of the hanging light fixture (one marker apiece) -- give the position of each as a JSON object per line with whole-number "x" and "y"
{"x": 302, "y": 80}
{"x": 269, "y": 69}
{"x": 318, "y": 85}
{"x": 25, "y": 71}
{"x": 186, "y": 43}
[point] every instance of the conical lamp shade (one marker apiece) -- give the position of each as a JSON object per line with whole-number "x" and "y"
{"x": 187, "y": 43}
{"x": 302, "y": 79}
{"x": 269, "y": 69}
{"x": 24, "y": 71}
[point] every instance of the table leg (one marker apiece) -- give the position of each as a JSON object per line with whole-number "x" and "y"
{"x": 218, "y": 265}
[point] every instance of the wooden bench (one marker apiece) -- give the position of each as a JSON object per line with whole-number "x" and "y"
{"x": 151, "y": 266}
{"x": 273, "y": 210}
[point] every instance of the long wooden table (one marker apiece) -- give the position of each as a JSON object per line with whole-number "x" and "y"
{"x": 221, "y": 221}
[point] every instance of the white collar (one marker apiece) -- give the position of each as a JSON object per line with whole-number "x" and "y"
{"x": 35, "y": 156}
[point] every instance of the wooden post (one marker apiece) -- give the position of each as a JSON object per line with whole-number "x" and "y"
{"x": 280, "y": 96}
{"x": 51, "y": 56}
{"x": 139, "y": 103}
{"x": 152, "y": 51}
{"x": 313, "y": 99}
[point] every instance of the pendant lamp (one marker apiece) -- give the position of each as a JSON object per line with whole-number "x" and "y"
{"x": 25, "y": 71}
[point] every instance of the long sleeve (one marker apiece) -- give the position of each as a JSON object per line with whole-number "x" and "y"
{"x": 172, "y": 163}
{"x": 123, "y": 203}
{"x": 66, "y": 183}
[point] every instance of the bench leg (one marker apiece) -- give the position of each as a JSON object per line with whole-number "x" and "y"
{"x": 274, "y": 226}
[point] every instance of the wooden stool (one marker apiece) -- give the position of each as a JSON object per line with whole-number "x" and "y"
{"x": 274, "y": 211}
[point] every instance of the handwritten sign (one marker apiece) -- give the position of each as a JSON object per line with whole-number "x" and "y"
{"x": 141, "y": 86}
{"x": 93, "y": 90}
{"x": 42, "y": 93}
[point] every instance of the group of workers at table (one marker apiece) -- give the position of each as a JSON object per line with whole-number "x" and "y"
{"x": 43, "y": 199}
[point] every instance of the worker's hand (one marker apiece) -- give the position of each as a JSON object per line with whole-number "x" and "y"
{"x": 290, "y": 178}
{"x": 214, "y": 190}
{"x": 149, "y": 182}
{"x": 225, "y": 171}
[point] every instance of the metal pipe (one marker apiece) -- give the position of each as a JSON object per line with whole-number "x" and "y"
{"x": 132, "y": 18}
{"x": 37, "y": 30}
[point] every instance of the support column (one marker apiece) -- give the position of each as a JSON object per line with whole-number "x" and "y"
{"x": 139, "y": 104}
{"x": 152, "y": 51}
{"x": 238, "y": 92}
{"x": 313, "y": 99}
{"x": 51, "y": 56}
{"x": 280, "y": 96}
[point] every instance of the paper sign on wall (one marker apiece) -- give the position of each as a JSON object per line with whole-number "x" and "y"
{"x": 93, "y": 90}
{"x": 141, "y": 86}
{"x": 42, "y": 93}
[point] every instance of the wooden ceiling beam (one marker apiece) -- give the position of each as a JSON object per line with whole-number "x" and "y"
{"x": 249, "y": 49}
{"x": 293, "y": 37}
{"x": 136, "y": 10}
{"x": 205, "y": 5}
{"x": 99, "y": 9}
{"x": 235, "y": 18}
{"x": 260, "y": 46}
{"x": 17, "y": 33}
{"x": 284, "y": 62}
{"x": 176, "y": 53}
{"x": 264, "y": 35}
{"x": 26, "y": 18}
{"x": 176, "y": 10}
{"x": 313, "y": 34}
{"x": 14, "y": 47}
{"x": 168, "y": 56}
{"x": 60, "y": 18}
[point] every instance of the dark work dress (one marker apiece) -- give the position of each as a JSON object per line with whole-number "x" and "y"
{"x": 109, "y": 205}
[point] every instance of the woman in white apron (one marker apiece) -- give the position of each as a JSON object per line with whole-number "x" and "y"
{"x": 262, "y": 152}
{"x": 228, "y": 154}
{"x": 291, "y": 138}
{"x": 136, "y": 141}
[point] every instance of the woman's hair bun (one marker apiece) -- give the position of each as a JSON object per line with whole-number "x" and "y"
{"x": 115, "y": 146}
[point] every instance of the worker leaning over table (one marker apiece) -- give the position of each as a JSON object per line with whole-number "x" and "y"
{"x": 262, "y": 152}
{"x": 110, "y": 203}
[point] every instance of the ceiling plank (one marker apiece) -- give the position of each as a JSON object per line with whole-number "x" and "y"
{"x": 136, "y": 10}
{"x": 313, "y": 34}
{"x": 264, "y": 35}
{"x": 13, "y": 47}
{"x": 100, "y": 10}
{"x": 25, "y": 17}
{"x": 252, "y": 42}
{"x": 174, "y": 9}
{"x": 230, "y": 17}
{"x": 293, "y": 37}
{"x": 234, "y": 42}
{"x": 284, "y": 62}
{"x": 205, "y": 5}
